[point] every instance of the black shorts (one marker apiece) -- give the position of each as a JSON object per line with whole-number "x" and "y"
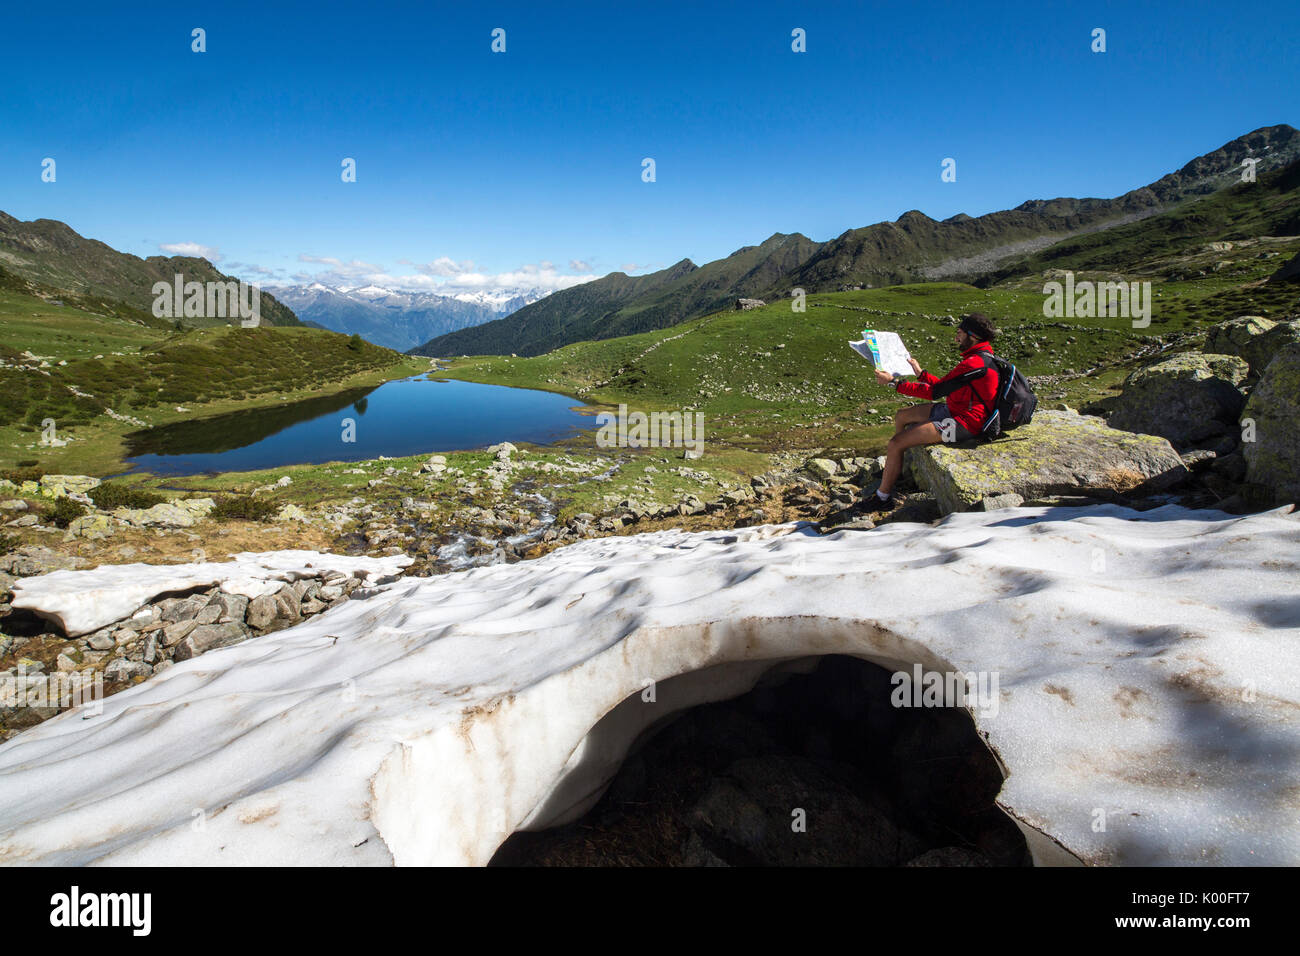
{"x": 939, "y": 414}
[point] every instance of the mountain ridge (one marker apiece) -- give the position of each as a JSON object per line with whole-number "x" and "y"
{"x": 912, "y": 248}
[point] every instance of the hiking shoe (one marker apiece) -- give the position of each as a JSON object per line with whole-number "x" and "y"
{"x": 873, "y": 502}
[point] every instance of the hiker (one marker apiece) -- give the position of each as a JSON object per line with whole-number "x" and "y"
{"x": 968, "y": 391}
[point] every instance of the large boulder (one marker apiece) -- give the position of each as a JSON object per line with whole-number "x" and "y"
{"x": 1289, "y": 272}
{"x": 1059, "y": 453}
{"x": 1184, "y": 398}
{"x": 1273, "y": 457}
{"x": 1253, "y": 338}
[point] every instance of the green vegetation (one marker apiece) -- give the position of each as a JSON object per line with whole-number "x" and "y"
{"x": 199, "y": 366}
{"x": 64, "y": 511}
{"x": 49, "y": 258}
{"x": 111, "y": 494}
{"x": 244, "y": 508}
{"x": 8, "y": 542}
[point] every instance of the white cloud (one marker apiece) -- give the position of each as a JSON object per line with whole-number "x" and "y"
{"x": 577, "y": 265}
{"x": 192, "y": 249}
{"x": 444, "y": 276}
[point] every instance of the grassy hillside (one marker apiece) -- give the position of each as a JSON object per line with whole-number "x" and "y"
{"x": 772, "y": 377}
{"x": 184, "y": 374}
{"x": 911, "y": 249}
{"x": 56, "y": 261}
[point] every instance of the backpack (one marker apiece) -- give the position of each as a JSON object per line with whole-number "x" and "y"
{"x": 1014, "y": 403}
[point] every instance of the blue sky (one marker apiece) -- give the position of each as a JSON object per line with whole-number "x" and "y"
{"x": 482, "y": 168}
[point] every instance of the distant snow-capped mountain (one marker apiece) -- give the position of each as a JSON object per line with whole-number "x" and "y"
{"x": 397, "y": 319}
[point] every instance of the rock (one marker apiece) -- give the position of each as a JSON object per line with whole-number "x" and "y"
{"x": 101, "y": 642}
{"x": 13, "y": 504}
{"x": 84, "y": 601}
{"x": 996, "y": 502}
{"x": 1232, "y": 467}
{"x": 208, "y": 615}
{"x": 207, "y": 637}
{"x": 1253, "y": 338}
{"x": 261, "y": 612}
{"x": 1273, "y": 458}
{"x": 90, "y": 526}
{"x": 164, "y": 515}
{"x": 1198, "y": 459}
{"x": 503, "y": 451}
{"x": 287, "y": 610}
{"x": 744, "y": 305}
{"x": 822, "y": 468}
{"x": 150, "y": 651}
{"x": 1059, "y": 453}
{"x": 1184, "y": 398}
{"x": 233, "y": 606}
{"x": 198, "y": 507}
{"x": 182, "y": 610}
{"x": 122, "y": 669}
{"x": 59, "y": 486}
{"x": 25, "y": 521}
{"x": 173, "y": 634}
{"x": 291, "y": 513}
{"x": 1289, "y": 272}
{"x": 65, "y": 663}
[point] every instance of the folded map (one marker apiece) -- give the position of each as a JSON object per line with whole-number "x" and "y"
{"x": 884, "y": 350}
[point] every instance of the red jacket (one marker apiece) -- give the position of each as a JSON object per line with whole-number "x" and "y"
{"x": 969, "y": 389}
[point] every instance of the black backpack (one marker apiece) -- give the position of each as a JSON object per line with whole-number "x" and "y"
{"x": 1015, "y": 401}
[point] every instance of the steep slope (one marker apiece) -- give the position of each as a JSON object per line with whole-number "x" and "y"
{"x": 913, "y": 248}
{"x": 559, "y": 318}
{"x": 88, "y": 273}
{"x": 916, "y": 247}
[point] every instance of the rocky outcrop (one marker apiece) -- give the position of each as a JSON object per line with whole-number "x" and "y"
{"x": 744, "y": 305}
{"x": 1255, "y": 339}
{"x": 1273, "y": 414}
{"x": 1059, "y": 453}
{"x": 1289, "y": 272}
{"x": 1184, "y": 398}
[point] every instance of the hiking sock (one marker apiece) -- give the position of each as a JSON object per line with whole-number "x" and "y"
{"x": 883, "y": 496}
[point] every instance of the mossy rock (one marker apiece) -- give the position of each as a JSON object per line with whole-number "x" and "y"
{"x": 1059, "y": 453}
{"x": 1273, "y": 415}
{"x": 1184, "y": 398}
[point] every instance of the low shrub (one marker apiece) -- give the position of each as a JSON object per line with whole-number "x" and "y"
{"x": 110, "y": 495}
{"x": 244, "y": 508}
{"x": 64, "y": 511}
{"x": 19, "y": 475}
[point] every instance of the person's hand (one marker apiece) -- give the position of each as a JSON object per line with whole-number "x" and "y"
{"x": 883, "y": 377}
{"x": 916, "y": 366}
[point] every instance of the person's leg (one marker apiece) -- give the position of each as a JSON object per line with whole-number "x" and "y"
{"x": 926, "y": 433}
{"x": 910, "y": 417}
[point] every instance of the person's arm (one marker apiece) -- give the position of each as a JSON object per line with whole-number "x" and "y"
{"x": 965, "y": 373}
{"x": 921, "y": 374}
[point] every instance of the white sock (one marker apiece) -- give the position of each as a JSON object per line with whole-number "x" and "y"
{"x": 881, "y": 495}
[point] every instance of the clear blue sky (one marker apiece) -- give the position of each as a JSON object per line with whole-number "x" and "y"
{"x": 534, "y": 156}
